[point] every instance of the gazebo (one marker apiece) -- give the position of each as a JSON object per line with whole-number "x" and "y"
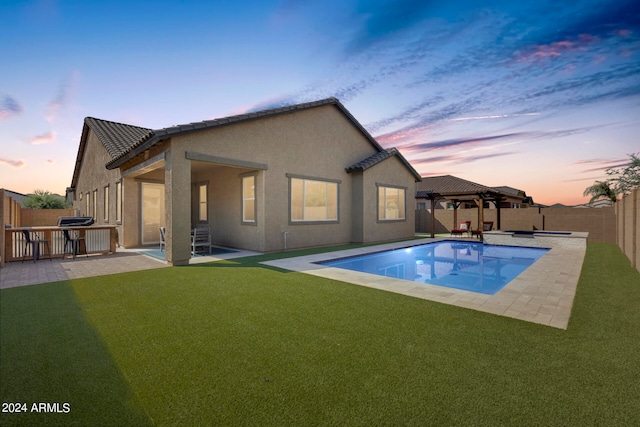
{"x": 458, "y": 191}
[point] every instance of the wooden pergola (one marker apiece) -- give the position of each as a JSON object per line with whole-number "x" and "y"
{"x": 481, "y": 195}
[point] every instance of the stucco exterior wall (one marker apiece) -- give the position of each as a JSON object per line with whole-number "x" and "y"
{"x": 391, "y": 172}
{"x": 316, "y": 143}
{"x": 225, "y": 207}
{"x": 93, "y": 175}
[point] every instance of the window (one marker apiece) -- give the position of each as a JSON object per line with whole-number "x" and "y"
{"x": 249, "y": 199}
{"x": 87, "y": 205}
{"x": 313, "y": 200}
{"x": 119, "y": 201}
{"x": 202, "y": 202}
{"x": 422, "y": 206}
{"x": 95, "y": 202}
{"x": 391, "y": 203}
{"x": 106, "y": 204}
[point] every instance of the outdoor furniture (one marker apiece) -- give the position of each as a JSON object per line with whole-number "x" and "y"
{"x": 200, "y": 238}
{"x": 162, "y": 241}
{"x": 73, "y": 242}
{"x": 35, "y": 246}
{"x": 486, "y": 226}
{"x": 465, "y": 227}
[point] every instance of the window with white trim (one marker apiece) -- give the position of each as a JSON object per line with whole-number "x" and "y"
{"x": 249, "y": 199}
{"x": 313, "y": 200}
{"x": 391, "y": 203}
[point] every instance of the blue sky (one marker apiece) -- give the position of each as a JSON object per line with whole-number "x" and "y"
{"x": 537, "y": 95}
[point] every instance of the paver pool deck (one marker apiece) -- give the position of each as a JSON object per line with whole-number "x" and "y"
{"x": 542, "y": 294}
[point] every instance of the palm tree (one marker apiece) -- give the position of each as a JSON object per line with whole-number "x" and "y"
{"x": 600, "y": 190}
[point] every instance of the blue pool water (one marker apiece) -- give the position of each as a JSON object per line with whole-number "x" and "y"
{"x": 470, "y": 266}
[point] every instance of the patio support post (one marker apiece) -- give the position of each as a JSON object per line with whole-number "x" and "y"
{"x": 480, "y": 204}
{"x": 455, "y": 203}
{"x": 177, "y": 207}
{"x": 434, "y": 200}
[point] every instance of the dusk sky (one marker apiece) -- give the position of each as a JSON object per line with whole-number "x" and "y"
{"x": 538, "y": 95}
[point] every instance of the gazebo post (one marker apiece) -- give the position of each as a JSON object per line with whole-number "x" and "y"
{"x": 480, "y": 204}
{"x": 455, "y": 214}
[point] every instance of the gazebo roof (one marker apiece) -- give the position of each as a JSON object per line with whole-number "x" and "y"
{"x": 454, "y": 188}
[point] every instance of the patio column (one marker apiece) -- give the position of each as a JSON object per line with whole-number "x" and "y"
{"x": 177, "y": 175}
{"x": 455, "y": 204}
{"x": 480, "y": 204}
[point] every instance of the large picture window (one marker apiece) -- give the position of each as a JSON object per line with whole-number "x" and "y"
{"x": 391, "y": 202}
{"x": 314, "y": 200}
{"x": 249, "y": 199}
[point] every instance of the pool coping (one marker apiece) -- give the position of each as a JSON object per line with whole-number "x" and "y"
{"x": 542, "y": 294}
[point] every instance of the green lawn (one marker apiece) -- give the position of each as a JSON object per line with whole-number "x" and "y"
{"x": 237, "y": 343}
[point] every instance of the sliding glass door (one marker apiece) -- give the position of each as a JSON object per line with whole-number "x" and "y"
{"x": 152, "y": 212}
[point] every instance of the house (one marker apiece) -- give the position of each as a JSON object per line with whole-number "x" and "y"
{"x": 514, "y": 198}
{"x": 448, "y": 191}
{"x": 292, "y": 177}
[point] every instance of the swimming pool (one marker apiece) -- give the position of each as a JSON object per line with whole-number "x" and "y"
{"x": 469, "y": 266}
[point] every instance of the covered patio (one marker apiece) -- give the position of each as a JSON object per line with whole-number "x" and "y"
{"x": 202, "y": 194}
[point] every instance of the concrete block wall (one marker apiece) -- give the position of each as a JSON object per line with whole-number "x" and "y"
{"x": 43, "y": 217}
{"x": 600, "y": 223}
{"x": 628, "y": 227}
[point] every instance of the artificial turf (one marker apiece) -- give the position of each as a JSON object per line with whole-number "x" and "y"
{"x": 239, "y": 343}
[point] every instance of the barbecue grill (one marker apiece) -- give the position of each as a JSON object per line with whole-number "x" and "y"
{"x": 75, "y": 221}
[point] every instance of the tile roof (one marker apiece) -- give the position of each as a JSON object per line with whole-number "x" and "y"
{"x": 136, "y": 146}
{"x": 380, "y": 157}
{"x": 117, "y": 138}
{"x": 452, "y": 184}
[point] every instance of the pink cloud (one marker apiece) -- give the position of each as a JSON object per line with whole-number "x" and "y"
{"x": 14, "y": 163}
{"x": 45, "y": 138}
{"x": 555, "y": 49}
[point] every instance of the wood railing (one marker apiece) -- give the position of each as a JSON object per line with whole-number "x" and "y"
{"x": 98, "y": 239}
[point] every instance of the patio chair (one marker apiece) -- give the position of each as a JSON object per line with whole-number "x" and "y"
{"x": 162, "y": 241}
{"x": 465, "y": 227}
{"x": 73, "y": 242}
{"x": 35, "y": 246}
{"x": 200, "y": 238}
{"x": 486, "y": 226}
